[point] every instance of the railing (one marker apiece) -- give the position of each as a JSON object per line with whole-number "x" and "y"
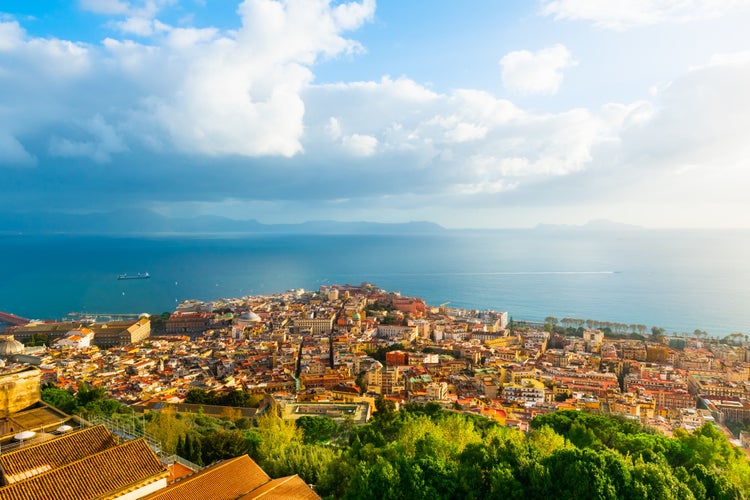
{"x": 128, "y": 430}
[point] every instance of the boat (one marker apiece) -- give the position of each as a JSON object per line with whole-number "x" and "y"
{"x": 138, "y": 276}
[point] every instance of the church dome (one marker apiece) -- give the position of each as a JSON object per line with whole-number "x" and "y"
{"x": 250, "y": 316}
{"x": 10, "y": 346}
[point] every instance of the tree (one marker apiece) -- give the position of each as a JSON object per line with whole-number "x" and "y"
{"x": 551, "y": 320}
{"x": 219, "y": 445}
{"x": 60, "y": 398}
{"x": 316, "y": 429}
{"x": 86, "y": 394}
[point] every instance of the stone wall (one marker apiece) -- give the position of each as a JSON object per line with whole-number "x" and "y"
{"x": 19, "y": 389}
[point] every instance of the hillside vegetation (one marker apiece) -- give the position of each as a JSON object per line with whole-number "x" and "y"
{"x": 423, "y": 451}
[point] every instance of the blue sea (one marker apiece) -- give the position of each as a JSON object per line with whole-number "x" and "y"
{"x": 679, "y": 280}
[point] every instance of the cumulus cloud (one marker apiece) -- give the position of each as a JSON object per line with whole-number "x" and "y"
{"x": 539, "y": 72}
{"x": 189, "y": 90}
{"x": 244, "y": 103}
{"x": 468, "y": 141}
{"x": 11, "y": 35}
{"x": 625, "y": 14}
{"x": 360, "y": 144}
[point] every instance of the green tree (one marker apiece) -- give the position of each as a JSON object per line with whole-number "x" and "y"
{"x": 86, "y": 394}
{"x": 60, "y": 398}
{"x": 222, "y": 444}
{"x": 316, "y": 429}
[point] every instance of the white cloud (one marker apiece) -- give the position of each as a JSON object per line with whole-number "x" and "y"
{"x": 11, "y": 35}
{"x": 360, "y": 144}
{"x": 468, "y": 141}
{"x": 250, "y": 92}
{"x": 538, "y": 72}
{"x": 350, "y": 16}
{"x": 624, "y": 14}
{"x": 141, "y": 26}
{"x": 191, "y": 90}
{"x": 333, "y": 129}
{"x": 241, "y": 94}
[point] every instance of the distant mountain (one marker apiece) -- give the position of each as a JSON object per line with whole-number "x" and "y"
{"x": 143, "y": 221}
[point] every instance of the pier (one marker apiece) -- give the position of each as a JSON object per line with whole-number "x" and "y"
{"x": 97, "y": 317}
{"x": 13, "y": 319}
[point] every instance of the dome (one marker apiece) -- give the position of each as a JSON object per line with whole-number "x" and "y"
{"x": 10, "y": 346}
{"x": 250, "y": 316}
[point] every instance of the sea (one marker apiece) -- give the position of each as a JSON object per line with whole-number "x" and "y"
{"x": 680, "y": 280}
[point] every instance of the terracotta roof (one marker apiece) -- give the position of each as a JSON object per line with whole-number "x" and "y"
{"x": 124, "y": 467}
{"x": 178, "y": 471}
{"x": 290, "y": 487}
{"x": 227, "y": 480}
{"x": 35, "y": 459}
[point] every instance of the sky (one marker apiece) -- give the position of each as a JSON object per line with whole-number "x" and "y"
{"x": 475, "y": 114}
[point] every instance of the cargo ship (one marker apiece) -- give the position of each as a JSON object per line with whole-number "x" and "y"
{"x": 138, "y": 276}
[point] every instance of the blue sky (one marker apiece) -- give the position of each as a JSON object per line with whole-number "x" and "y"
{"x": 471, "y": 114}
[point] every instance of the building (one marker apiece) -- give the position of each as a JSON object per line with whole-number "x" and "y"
{"x": 121, "y": 333}
{"x": 397, "y": 332}
{"x": 385, "y": 381}
{"x": 396, "y": 358}
{"x": 105, "y": 335}
{"x": 315, "y": 325}
{"x": 527, "y": 391}
{"x": 412, "y": 306}
{"x": 75, "y": 339}
{"x": 593, "y": 340}
{"x": 190, "y": 323}
{"x": 436, "y": 391}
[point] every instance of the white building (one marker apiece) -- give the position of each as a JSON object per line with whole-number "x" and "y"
{"x": 75, "y": 339}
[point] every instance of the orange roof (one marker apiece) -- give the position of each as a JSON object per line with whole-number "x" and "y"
{"x": 113, "y": 470}
{"x": 282, "y": 489}
{"x": 178, "y": 471}
{"x": 31, "y": 460}
{"x": 227, "y": 480}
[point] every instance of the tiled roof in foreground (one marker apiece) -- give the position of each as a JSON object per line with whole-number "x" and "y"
{"x": 101, "y": 475}
{"x": 35, "y": 459}
{"x": 237, "y": 478}
{"x": 282, "y": 488}
{"x": 227, "y": 480}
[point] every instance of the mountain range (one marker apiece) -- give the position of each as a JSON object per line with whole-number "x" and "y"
{"x": 149, "y": 222}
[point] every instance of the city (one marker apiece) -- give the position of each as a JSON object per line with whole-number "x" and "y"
{"x": 342, "y": 344}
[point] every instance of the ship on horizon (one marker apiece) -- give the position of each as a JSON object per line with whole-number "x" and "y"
{"x": 138, "y": 276}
